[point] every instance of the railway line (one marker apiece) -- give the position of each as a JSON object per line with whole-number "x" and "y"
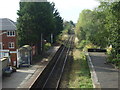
{"x": 51, "y": 75}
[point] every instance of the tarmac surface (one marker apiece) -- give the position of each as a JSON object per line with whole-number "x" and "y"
{"x": 107, "y": 75}
{"x": 24, "y": 75}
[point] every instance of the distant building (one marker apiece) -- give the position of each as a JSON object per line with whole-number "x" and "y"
{"x": 8, "y": 45}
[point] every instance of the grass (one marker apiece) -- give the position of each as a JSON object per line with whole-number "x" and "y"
{"x": 80, "y": 74}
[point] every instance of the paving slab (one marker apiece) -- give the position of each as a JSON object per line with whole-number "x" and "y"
{"x": 17, "y": 78}
{"x": 23, "y": 75}
{"x": 107, "y": 75}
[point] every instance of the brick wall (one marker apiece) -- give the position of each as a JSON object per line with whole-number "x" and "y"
{"x": 6, "y": 39}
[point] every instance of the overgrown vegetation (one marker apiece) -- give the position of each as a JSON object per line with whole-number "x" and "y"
{"x": 100, "y": 29}
{"x": 80, "y": 74}
{"x": 68, "y": 28}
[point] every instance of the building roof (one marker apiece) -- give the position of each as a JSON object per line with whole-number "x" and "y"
{"x": 7, "y": 24}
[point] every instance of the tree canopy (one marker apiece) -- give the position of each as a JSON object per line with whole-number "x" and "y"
{"x": 101, "y": 26}
{"x": 36, "y": 19}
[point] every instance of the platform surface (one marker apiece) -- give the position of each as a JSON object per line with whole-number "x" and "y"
{"x": 107, "y": 75}
{"x": 23, "y": 75}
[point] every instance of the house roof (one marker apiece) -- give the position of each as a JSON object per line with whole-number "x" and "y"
{"x": 7, "y": 24}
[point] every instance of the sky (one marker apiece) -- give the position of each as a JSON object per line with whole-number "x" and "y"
{"x": 68, "y": 9}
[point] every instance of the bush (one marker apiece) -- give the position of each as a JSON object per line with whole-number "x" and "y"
{"x": 85, "y": 44}
{"x": 116, "y": 60}
{"x": 113, "y": 58}
{"x": 47, "y": 46}
{"x": 90, "y": 45}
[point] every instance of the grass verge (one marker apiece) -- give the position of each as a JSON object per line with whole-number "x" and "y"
{"x": 80, "y": 74}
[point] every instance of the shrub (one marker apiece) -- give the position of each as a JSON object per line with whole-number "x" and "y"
{"x": 116, "y": 60}
{"x": 83, "y": 43}
{"x": 47, "y": 46}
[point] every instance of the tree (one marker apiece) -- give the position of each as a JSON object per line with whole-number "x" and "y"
{"x": 101, "y": 27}
{"x": 37, "y": 20}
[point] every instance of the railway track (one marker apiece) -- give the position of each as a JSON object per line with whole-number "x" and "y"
{"x": 51, "y": 76}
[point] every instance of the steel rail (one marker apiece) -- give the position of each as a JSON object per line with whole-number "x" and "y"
{"x": 34, "y": 85}
{"x": 66, "y": 57}
{"x": 54, "y": 65}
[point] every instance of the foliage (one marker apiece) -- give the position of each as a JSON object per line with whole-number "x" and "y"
{"x": 47, "y": 46}
{"x": 58, "y": 21}
{"x": 38, "y": 20}
{"x": 101, "y": 27}
{"x": 112, "y": 26}
{"x": 109, "y": 50}
{"x": 29, "y": 24}
{"x": 68, "y": 27}
{"x": 89, "y": 27}
{"x": 83, "y": 43}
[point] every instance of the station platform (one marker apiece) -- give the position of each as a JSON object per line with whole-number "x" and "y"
{"x": 107, "y": 76}
{"x": 25, "y": 76}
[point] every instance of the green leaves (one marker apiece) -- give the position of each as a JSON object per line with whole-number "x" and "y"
{"x": 101, "y": 26}
{"x": 91, "y": 27}
{"x": 36, "y": 18}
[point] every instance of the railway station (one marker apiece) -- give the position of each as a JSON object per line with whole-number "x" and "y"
{"x": 54, "y": 44}
{"x": 25, "y": 77}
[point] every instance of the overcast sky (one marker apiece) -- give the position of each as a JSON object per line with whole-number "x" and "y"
{"x": 69, "y": 9}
